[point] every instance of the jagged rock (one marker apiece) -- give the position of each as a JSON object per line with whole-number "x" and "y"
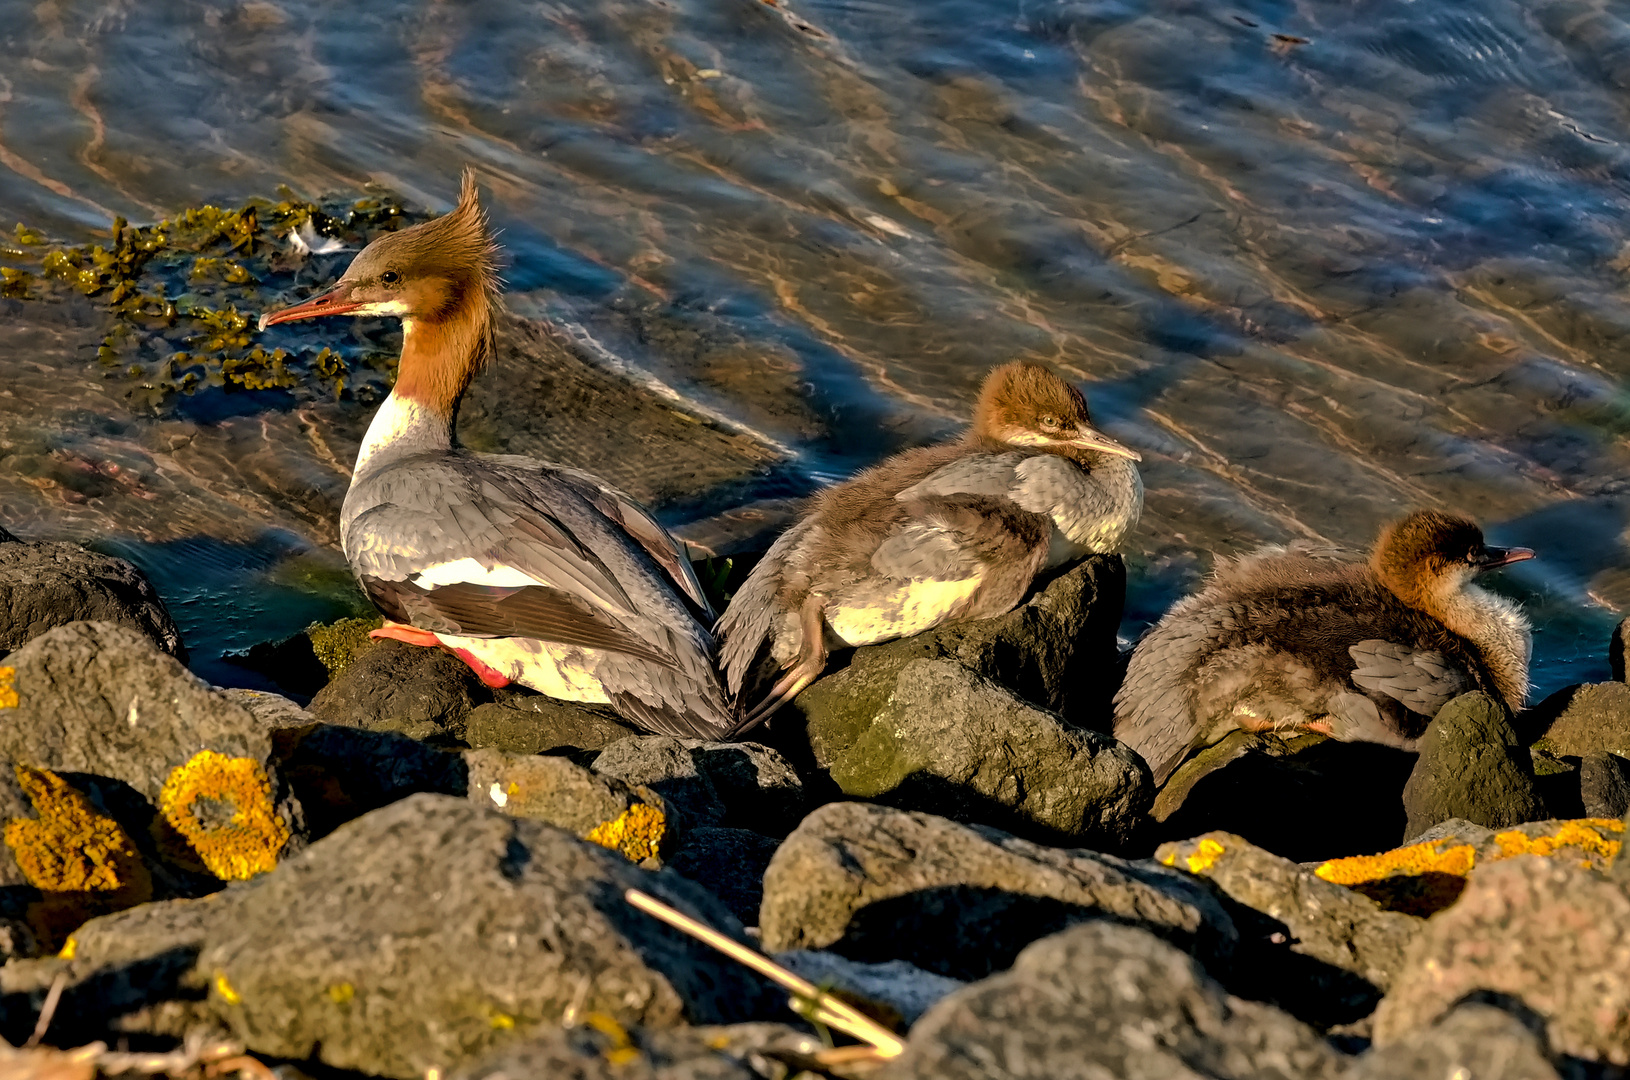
{"x": 601, "y": 809}
{"x": 536, "y": 724}
{"x": 48, "y": 585}
{"x": 905, "y": 988}
{"x": 1102, "y": 1000}
{"x": 1454, "y": 831}
{"x": 875, "y": 883}
{"x": 1545, "y": 932}
{"x": 1318, "y": 950}
{"x": 612, "y": 1053}
{"x": 740, "y": 785}
{"x": 729, "y": 863}
{"x": 950, "y": 742}
{"x": 272, "y": 710}
{"x": 1471, "y": 766}
{"x": 418, "y": 692}
{"x": 492, "y": 926}
{"x": 1305, "y": 798}
{"x": 1604, "y": 785}
{"x": 1583, "y": 719}
{"x": 1470, "y": 1041}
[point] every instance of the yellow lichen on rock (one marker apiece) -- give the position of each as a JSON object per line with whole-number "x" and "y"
{"x": 636, "y": 832}
{"x": 224, "y": 988}
{"x": 8, "y": 688}
{"x": 73, "y": 848}
{"x": 222, "y": 806}
{"x": 1584, "y": 835}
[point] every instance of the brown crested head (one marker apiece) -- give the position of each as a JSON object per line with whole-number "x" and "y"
{"x": 1025, "y": 405}
{"x": 434, "y": 272}
{"x": 1427, "y": 553}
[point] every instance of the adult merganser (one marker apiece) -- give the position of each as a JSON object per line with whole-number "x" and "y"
{"x": 1363, "y": 652}
{"x": 531, "y": 573}
{"x": 940, "y": 534}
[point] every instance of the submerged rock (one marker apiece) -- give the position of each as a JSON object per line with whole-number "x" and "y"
{"x": 1102, "y": 1000}
{"x": 48, "y": 585}
{"x": 431, "y": 932}
{"x": 419, "y": 692}
{"x": 1543, "y": 932}
{"x": 875, "y": 884}
{"x": 1471, "y": 766}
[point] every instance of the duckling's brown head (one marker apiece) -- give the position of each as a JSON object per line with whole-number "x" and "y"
{"x": 1027, "y": 406}
{"x": 434, "y": 272}
{"x": 1430, "y": 554}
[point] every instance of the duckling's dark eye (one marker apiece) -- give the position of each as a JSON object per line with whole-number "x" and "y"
{"x": 1049, "y": 423}
{"x": 390, "y": 277}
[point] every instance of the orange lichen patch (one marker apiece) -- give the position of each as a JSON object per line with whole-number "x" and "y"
{"x": 224, "y": 988}
{"x": 71, "y": 847}
{"x": 1583, "y": 835}
{"x": 622, "y": 1049}
{"x": 1416, "y": 880}
{"x": 222, "y": 806}
{"x": 1202, "y": 858}
{"x": 8, "y": 688}
{"x": 636, "y": 832}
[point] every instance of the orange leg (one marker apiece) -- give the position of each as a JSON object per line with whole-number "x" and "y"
{"x": 489, "y": 675}
{"x": 403, "y": 632}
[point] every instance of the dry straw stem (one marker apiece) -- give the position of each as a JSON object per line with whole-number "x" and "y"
{"x": 822, "y": 1007}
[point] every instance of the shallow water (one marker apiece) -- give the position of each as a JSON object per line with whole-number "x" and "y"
{"x": 1320, "y": 262}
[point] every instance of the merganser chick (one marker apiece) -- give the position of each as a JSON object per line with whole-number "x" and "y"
{"x": 531, "y": 573}
{"x": 1362, "y": 652}
{"x": 940, "y": 534}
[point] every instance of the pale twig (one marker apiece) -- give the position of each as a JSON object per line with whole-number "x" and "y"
{"x": 823, "y": 1007}
{"x": 52, "y": 997}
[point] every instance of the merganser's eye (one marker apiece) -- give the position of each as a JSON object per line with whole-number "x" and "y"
{"x": 390, "y": 277}
{"x": 1049, "y": 423}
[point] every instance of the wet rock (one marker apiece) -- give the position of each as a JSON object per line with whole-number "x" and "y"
{"x": 1583, "y": 719}
{"x": 1056, "y": 652}
{"x": 1471, "y": 1041}
{"x": 1306, "y": 798}
{"x": 341, "y": 773}
{"x": 601, "y": 809}
{"x": 1604, "y": 785}
{"x": 740, "y": 785}
{"x": 1471, "y": 766}
{"x": 492, "y": 925}
{"x": 904, "y": 988}
{"x": 875, "y": 883}
{"x": 1618, "y": 650}
{"x": 536, "y": 724}
{"x": 729, "y": 863}
{"x": 1103, "y": 999}
{"x": 950, "y": 742}
{"x": 1318, "y": 949}
{"x": 1543, "y": 932}
{"x": 48, "y": 585}
{"x": 169, "y": 764}
{"x": 612, "y": 1052}
{"x": 414, "y": 691}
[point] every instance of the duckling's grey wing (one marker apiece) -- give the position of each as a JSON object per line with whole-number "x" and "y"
{"x": 992, "y": 475}
{"x": 1422, "y": 680}
{"x": 752, "y": 617}
{"x": 1154, "y": 708}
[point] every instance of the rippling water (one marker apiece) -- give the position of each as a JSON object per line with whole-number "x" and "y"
{"x": 1320, "y": 262}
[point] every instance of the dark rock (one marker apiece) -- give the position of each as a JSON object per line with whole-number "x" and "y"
{"x": 595, "y": 1053}
{"x": 306, "y": 662}
{"x": 1471, "y": 1041}
{"x": 1580, "y": 720}
{"x": 48, "y": 585}
{"x": 729, "y": 863}
{"x": 1102, "y": 1000}
{"x": 953, "y": 743}
{"x": 1544, "y": 933}
{"x": 1321, "y": 951}
{"x": 1618, "y": 649}
{"x": 905, "y": 988}
{"x": 435, "y": 909}
{"x": 1471, "y": 766}
{"x": 740, "y": 785}
{"x": 341, "y": 773}
{"x": 602, "y": 809}
{"x": 1557, "y": 780}
{"x": 1057, "y": 652}
{"x": 1306, "y": 798}
{"x": 414, "y": 691}
{"x": 1604, "y": 785}
{"x": 536, "y": 724}
{"x": 875, "y": 883}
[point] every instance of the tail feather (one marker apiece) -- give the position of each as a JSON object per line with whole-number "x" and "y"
{"x": 749, "y": 621}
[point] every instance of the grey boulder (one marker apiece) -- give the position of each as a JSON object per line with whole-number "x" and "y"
{"x": 423, "y": 693}
{"x": 47, "y": 585}
{"x": 1583, "y": 719}
{"x": 1471, "y": 766}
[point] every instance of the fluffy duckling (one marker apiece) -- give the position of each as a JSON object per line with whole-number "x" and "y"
{"x": 940, "y": 534}
{"x": 1363, "y": 652}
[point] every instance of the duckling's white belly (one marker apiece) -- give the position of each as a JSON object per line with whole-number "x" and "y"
{"x": 884, "y": 615}
{"x": 558, "y": 671}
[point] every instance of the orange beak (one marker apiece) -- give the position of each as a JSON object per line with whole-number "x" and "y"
{"x": 336, "y": 301}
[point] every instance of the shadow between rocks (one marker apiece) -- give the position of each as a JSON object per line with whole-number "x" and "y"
{"x": 90, "y": 1008}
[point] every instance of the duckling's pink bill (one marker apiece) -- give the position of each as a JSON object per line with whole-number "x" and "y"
{"x": 333, "y": 302}
{"x": 1494, "y": 557}
{"x": 1093, "y": 439}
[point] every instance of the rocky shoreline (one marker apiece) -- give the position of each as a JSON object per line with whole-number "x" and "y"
{"x": 398, "y": 872}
